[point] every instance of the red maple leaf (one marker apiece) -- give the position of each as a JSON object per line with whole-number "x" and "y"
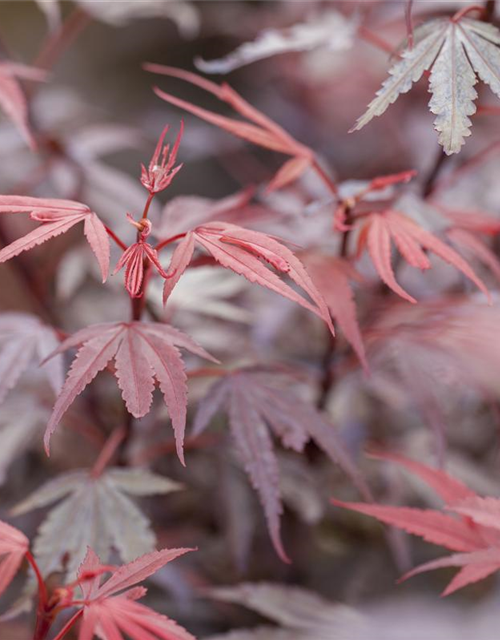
{"x": 110, "y": 610}
{"x": 56, "y": 217}
{"x": 242, "y": 251}
{"x": 474, "y": 534}
{"x": 380, "y": 229}
{"x": 261, "y": 130}
{"x": 13, "y": 547}
{"x": 143, "y": 352}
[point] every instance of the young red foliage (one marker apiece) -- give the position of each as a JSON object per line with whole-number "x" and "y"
{"x": 242, "y": 251}
{"x": 475, "y": 534}
{"x": 12, "y": 99}
{"x": 134, "y": 259}
{"x": 160, "y": 173}
{"x": 142, "y": 352}
{"x": 13, "y": 547}
{"x": 110, "y": 609}
{"x": 56, "y": 217}
{"x": 262, "y": 132}
{"x": 378, "y": 231}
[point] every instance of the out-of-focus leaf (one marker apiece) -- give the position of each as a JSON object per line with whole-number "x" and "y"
{"x": 95, "y": 512}
{"x": 256, "y": 403}
{"x": 328, "y": 29}
{"x": 22, "y": 419}
{"x": 301, "y": 613}
{"x": 184, "y": 14}
{"x": 25, "y": 342}
{"x": 13, "y": 547}
{"x": 12, "y": 99}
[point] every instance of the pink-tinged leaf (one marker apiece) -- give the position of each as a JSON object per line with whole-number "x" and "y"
{"x": 90, "y": 360}
{"x": 410, "y": 249}
{"x": 256, "y": 451}
{"x": 382, "y": 182}
{"x": 241, "y": 250}
{"x": 179, "y": 263}
{"x": 142, "y": 353}
{"x": 289, "y": 172}
{"x": 13, "y": 547}
{"x": 37, "y": 237}
{"x": 248, "y": 132}
{"x": 409, "y": 238}
{"x": 56, "y": 216}
{"x": 484, "y": 511}
{"x": 475, "y": 221}
{"x": 332, "y": 278}
{"x": 42, "y": 209}
{"x": 432, "y": 526}
{"x": 226, "y": 94}
{"x": 168, "y": 368}
{"x": 136, "y": 571}
{"x": 432, "y": 243}
{"x": 112, "y": 617}
{"x": 134, "y": 375}
{"x": 108, "y": 615}
{"x": 259, "y": 402}
{"x": 379, "y": 247}
{"x": 448, "y": 488}
{"x": 476, "y": 566}
{"x": 24, "y": 340}
{"x": 261, "y": 130}
{"x": 476, "y": 248}
{"x": 12, "y": 99}
{"x": 98, "y": 239}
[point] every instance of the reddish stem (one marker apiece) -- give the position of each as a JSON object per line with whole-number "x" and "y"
{"x": 69, "y": 625}
{"x": 147, "y": 205}
{"x": 203, "y": 372}
{"x": 108, "y": 451}
{"x": 42, "y": 588}
{"x": 376, "y": 40}
{"x": 463, "y": 12}
{"x": 164, "y": 243}
{"x": 325, "y": 177}
{"x": 114, "y": 237}
{"x": 59, "y": 42}
{"x": 409, "y": 23}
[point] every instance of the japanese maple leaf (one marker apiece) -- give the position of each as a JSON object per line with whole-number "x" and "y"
{"x": 56, "y": 217}
{"x": 297, "y": 614}
{"x": 242, "y": 251}
{"x": 456, "y": 50}
{"x": 94, "y": 510}
{"x": 328, "y": 30}
{"x": 257, "y": 403}
{"x": 332, "y": 277}
{"x": 473, "y": 531}
{"x": 142, "y": 352}
{"x": 12, "y": 99}
{"x": 411, "y": 240}
{"x": 13, "y": 547}
{"x": 111, "y": 610}
{"x": 260, "y": 130}
{"x": 25, "y": 341}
